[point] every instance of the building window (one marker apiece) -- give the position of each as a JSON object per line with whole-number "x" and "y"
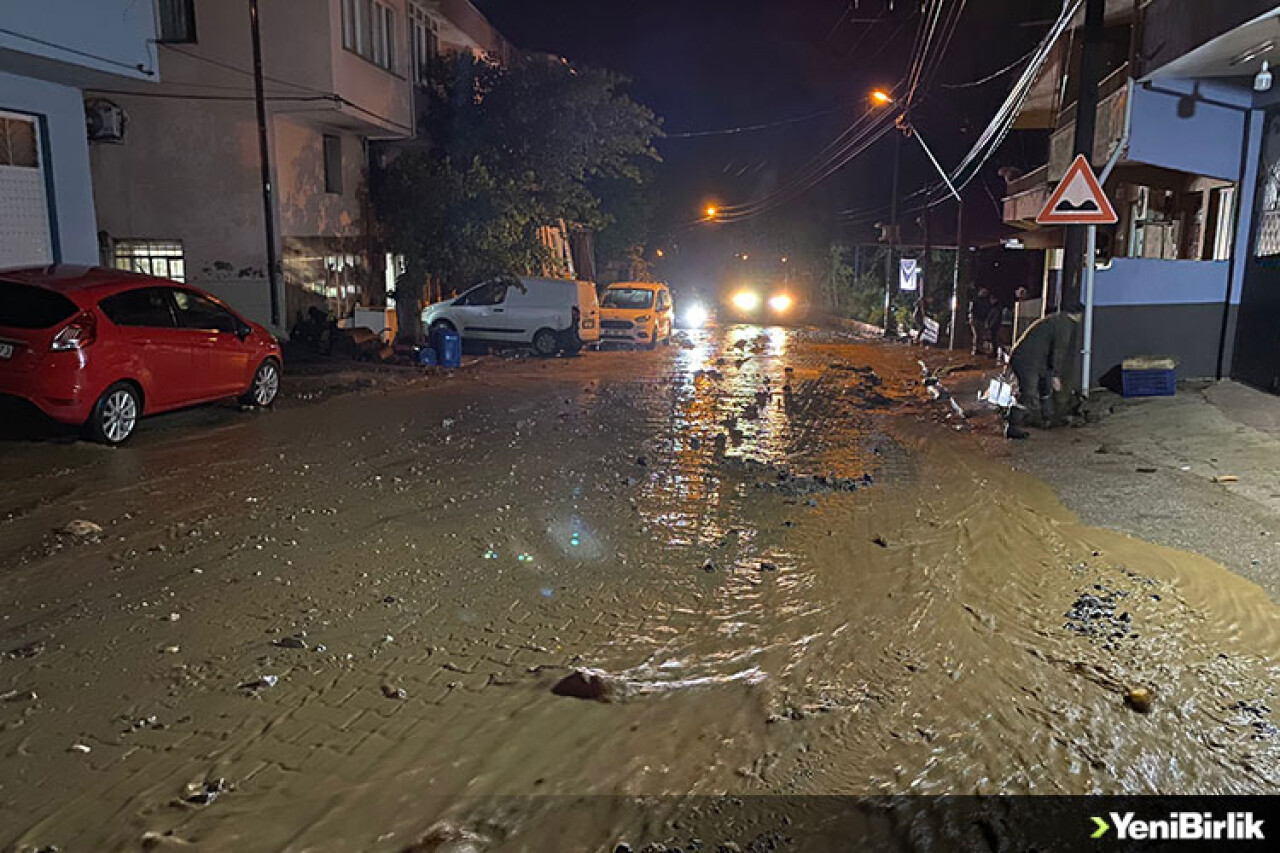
{"x": 333, "y": 164}
{"x": 162, "y": 258}
{"x": 369, "y": 29}
{"x": 177, "y": 21}
{"x": 18, "y": 143}
{"x": 425, "y": 41}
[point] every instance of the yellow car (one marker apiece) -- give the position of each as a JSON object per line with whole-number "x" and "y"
{"x": 636, "y": 312}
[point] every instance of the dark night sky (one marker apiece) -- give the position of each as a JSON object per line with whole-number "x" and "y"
{"x": 709, "y": 64}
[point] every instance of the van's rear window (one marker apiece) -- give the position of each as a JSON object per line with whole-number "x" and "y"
{"x": 25, "y": 307}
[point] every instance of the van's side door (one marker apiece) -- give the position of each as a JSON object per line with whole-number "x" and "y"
{"x": 481, "y": 312}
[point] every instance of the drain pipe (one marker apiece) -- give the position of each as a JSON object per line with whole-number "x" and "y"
{"x": 1091, "y": 243}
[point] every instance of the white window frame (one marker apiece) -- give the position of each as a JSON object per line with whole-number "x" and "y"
{"x": 369, "y": 30}
{"x": 425, "y": 40}
{"x": 161, "y": 258}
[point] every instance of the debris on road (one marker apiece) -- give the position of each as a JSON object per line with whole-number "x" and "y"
{"x": 204, "y": 793}
{"x": 81, "y": 528}
{"x": 393, "y": 692}
{"x": 83, "y": 749}
{"x": 27, "y": 650}
{"x": 1139, "y": 699}
{"x": 591, "y": 684}
{"x": 262, "y": 683}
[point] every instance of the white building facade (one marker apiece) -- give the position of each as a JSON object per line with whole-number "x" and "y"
{"x": 49, "y": 52}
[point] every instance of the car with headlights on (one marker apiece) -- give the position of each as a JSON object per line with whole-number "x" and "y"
{"x": 768, "y": 306}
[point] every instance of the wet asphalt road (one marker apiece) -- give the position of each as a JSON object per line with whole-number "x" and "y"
{"x": 334, "y": 625}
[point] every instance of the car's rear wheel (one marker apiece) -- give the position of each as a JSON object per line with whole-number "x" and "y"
{"x": 265, "y": 387}
{"x": 116, "y": 414}
{"x": 546, "y": 342}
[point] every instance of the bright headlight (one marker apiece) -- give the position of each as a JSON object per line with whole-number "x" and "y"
{"x": 746, "y": 300}
{"x": 780, "y": 303}
{"x": 695, "y": 316}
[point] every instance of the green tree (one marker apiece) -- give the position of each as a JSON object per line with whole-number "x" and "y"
{"x": 504, "y": 151}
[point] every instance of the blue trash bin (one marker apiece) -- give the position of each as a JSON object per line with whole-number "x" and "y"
{"x": 427, "y": 357}
{"x": 448, "y": 347}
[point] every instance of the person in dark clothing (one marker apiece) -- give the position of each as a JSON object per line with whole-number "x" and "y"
{"x": 995, "y": 323}
{"x": 979, "y": 307}
{"x": 1040, "y": 360}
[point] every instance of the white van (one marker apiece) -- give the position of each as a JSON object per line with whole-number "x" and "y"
{"x": 551, "y": 315}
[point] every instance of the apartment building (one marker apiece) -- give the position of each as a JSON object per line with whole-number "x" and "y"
{"x": 1190, "y": 269}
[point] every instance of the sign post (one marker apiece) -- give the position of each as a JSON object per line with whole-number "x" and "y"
{"x": 1079, "y": 200}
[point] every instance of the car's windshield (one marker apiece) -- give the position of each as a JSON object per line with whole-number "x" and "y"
{"x": 627, "y": 297}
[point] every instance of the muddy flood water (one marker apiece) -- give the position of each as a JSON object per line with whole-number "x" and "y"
{"x": 570, "y": 604}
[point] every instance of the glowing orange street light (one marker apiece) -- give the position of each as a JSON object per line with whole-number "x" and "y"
{"x": 881, "y": 98}
{"x": 711, "y": 212}
{"x": 661, "y": 254}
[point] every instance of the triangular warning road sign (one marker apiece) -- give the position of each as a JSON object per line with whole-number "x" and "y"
{"x": 1078, "y": 200}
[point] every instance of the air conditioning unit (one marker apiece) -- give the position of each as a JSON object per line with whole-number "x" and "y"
{"x": 105, "y": 120}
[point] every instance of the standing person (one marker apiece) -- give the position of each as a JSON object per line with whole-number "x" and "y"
{"x": 995, "y": 324}
{"x": 979, "y": 307}
{"x": 1039, "y": 361}
{"x": 917, "y": 319}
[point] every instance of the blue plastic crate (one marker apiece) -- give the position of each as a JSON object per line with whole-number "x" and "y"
{"x": 1149, "y": 383}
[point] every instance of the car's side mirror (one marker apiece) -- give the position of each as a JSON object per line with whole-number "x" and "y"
{"x": 243, "y": 331}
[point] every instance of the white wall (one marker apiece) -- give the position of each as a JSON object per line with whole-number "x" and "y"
{"x": 62, "y": 110}
{"x": 117, "y": 34}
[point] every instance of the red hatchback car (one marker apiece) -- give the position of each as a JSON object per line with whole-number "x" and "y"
{"x": 101, "y": 347}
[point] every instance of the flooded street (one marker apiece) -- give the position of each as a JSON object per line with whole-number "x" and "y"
{"x": 774, "y": 564}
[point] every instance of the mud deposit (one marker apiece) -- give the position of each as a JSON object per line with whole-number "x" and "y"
{"x": 774, "y": 564}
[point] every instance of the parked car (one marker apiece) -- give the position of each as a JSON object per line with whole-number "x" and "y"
{"x": 101, "y": 348}
{"x": 633, "y": 312}
{"x": 551, "y": 315}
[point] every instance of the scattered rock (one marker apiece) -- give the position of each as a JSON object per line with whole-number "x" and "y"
{"x": 82, "y": 528}
{"x": 709, "y": 565}
{"x": 172, "y": 617}
{"x": 881, "y": 541}
{"x": 766, "y": 566}
{"x": 294, "y": 641}
{"x": 447, "y": 838}
{"x": 262, "y": 683}
{"x": 392, "y": 692}
{"x": 19, "y": 696}
{"x": 1139, "y": 699}
{"x": 642, "y": 461}
{"x": 83, "y": 749}
{"x": 1226, "y": 478}
{"x": 590, "y": 684}
{"x": 29, "y": 650}
{"x": 203, "y": 793}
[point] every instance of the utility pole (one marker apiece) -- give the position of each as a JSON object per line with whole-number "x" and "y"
{"x": 955, "y": 274}
{"x": 264, "y": 152}
{"x": 892, "y": 235}
{"x": 1073, "y": 259}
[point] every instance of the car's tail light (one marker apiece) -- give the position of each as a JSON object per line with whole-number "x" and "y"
{"x": 81, "y": 331}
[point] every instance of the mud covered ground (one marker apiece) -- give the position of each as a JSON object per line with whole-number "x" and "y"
{"x": 766, "y": 563}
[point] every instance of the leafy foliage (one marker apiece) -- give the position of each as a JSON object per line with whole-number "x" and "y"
{"x": 504, "y": 151}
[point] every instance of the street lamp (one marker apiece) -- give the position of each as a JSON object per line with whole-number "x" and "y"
{"x": 879, "y": 97}
{"x": 711, "y": 211}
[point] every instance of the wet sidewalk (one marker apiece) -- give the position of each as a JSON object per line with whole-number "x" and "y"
{"x": 1199, "y": 471}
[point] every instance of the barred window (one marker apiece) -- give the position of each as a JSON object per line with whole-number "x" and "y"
{"x": 161, "y": 258}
